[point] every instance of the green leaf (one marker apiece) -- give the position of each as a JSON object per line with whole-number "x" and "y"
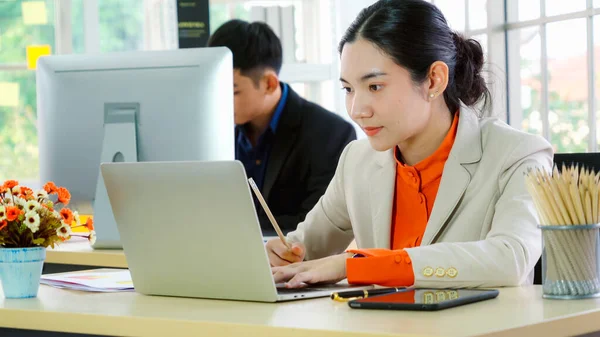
{"x": 39, "y": 241}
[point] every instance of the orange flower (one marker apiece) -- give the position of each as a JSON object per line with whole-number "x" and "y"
{"x": 3, "y": 224}
{"x": 89, "y": 224}
{"x": 63, "y": 195}
{"x": 12, "y": 213}
{"x": 26, "y": 191}
{"x": 10, "y": 184}
{"x": 50, "y": 187}
{"x": 67, "y": 215}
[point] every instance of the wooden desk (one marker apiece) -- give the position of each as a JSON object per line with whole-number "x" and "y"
{"x": 516, "y": 312}
{"x": 79, "y": 253}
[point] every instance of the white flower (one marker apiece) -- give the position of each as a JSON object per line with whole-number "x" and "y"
{"x": 16, "y": 190}
{"x": 76, "y": 218}
{"x": 41, "y": 194}
{"x": 8, "y": 198}
{"x": 2, "y": 213}
{"x": 57, "y": 215}
{"x": 64, "y": 231}
{"x": 20, "y": 201}
{"x": 31, "y": 205}
{"x": 32, "y": 221}
{"x": 92, "y": 237}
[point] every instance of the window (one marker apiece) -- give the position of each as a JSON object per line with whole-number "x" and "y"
{"x": 82, "y": 26}
{"x": 221, "y": 12}
{"x": 121, "y": 25}
{"x": 551, "y": 88}
{"x": 454, "y": 11}
{"x": 530, "y": 80}
{"x": 305, "y": 29}
{"x": 91, "y": 26}
{"x": 22, "y": 24}
{"x": 473, "y": 19}
{"x": 545, "y": 52}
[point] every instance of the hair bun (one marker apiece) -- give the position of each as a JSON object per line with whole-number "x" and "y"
{"x": 470, "y": 85}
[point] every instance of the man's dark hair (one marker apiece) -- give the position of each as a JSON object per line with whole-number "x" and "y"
{"x": 254, "y": 46}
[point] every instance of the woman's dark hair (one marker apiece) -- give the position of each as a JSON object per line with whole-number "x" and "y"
{"x": 415, "y": 34}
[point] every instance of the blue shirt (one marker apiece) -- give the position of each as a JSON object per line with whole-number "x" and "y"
{"x": 255, "y": 158}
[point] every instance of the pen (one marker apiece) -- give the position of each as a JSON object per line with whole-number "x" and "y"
{"x": 350, "y": 295}
{"x": 268, "y": 212}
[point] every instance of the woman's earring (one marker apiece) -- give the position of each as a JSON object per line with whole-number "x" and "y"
{"x": 431, "y": 95}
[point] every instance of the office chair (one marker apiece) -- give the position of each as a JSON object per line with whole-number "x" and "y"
{"x": 588, "y": 160}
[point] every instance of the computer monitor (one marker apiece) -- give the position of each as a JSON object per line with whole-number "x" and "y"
{"x": 174, "y": 105}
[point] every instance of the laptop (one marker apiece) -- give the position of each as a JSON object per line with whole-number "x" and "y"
{"x": 107, "y": 234}
{"x": 190, "y": 229}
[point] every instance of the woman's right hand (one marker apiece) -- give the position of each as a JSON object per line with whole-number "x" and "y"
{"x": 280, "y": 255}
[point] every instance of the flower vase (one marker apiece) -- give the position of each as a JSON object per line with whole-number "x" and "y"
{"x": 20, "y": 271}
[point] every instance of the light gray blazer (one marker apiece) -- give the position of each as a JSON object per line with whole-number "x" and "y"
{"x": 483, "y": 226}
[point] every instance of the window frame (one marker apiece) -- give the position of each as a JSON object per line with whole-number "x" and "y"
{"x": 503, "y": 54}
{"x": 513, "y": 74}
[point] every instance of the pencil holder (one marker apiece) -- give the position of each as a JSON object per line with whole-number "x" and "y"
{"x": 570, "y": 261}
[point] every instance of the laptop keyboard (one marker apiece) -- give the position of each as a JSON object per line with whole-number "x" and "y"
{"x": 284, "y": 291}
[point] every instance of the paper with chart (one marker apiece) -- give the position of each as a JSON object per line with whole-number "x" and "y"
{"x": 102, "y": 280}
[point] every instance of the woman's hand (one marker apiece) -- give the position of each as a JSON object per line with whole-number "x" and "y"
{"x": 330, "y": 269}
{"x": 280, "y": 255}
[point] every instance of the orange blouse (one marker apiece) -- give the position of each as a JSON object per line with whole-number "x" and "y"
{"x": 415, "y": 191}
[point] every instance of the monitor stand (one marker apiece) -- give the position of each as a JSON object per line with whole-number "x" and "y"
{"x": 119, "y": 145}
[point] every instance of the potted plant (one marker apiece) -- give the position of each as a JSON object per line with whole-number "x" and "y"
{"x": 29, "y": 223}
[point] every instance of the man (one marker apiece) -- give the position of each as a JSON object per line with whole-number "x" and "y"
{"x": 288, "y": 145}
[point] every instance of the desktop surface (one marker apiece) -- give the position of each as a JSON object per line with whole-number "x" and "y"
{"x": 79, "y": 252}
{"x": 517, "y": 311}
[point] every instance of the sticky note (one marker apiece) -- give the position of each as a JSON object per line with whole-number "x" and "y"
{"x": 83, "y": 218}
{"x": 34, "y": 12}
{"x": 9, "y": 94}
{"x": 34, "y": 52}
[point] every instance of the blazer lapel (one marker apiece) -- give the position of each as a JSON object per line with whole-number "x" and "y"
{"x": 455, "y": 178}
{"x": 381, "y": 193}
{"x": 279, "y": 153}
{"x": 285, "y": 137}
{"x": 453, "y": 185}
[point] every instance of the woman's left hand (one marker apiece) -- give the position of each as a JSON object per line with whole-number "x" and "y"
{"x": 331, "y": 269}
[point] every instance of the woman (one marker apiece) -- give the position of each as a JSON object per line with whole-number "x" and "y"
{"x": 436, "y": 197}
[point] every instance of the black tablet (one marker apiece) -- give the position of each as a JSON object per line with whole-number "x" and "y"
{"x": 424, "y": 299}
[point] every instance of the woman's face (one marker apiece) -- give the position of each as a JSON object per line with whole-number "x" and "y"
{"x": 381, "y": 96}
